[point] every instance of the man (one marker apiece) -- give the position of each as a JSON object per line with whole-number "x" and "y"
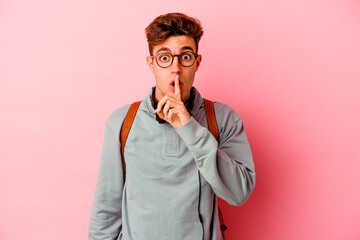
{"x": 175, "y": 168}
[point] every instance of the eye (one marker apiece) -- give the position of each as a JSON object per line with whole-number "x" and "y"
{"x": 186, "y": 57}
{"x": 164, "y": 57}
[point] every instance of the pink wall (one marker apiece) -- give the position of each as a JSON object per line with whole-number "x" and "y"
{"x": 290, "y": 68}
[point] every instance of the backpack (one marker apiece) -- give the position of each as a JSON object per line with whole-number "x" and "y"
{"x": 212, "y": 126}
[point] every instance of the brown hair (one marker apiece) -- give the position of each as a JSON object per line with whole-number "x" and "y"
{"x": 172, "y": 24}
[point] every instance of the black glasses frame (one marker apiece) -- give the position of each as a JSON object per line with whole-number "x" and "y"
{"x": 173, "y": 56}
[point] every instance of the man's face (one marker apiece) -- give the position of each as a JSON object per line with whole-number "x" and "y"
{"x": 165, "y": 77}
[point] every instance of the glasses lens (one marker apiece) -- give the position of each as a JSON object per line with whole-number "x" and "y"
{"x": 187, "y": 58}
{"x": 164, "y": 59}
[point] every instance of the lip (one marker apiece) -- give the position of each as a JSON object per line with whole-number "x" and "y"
{"x": 173, "y": 86}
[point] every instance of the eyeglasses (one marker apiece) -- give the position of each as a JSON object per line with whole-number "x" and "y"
{"x": 165, "y": 59}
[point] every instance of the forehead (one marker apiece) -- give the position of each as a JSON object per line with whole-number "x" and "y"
{"x": 176, "y": 44}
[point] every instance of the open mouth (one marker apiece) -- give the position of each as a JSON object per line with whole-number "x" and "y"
{"x": 173, "y": 84}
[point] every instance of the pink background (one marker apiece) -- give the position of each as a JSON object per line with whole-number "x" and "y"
{"x": 291, "y": 69}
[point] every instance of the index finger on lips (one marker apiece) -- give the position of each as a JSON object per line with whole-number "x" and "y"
{"x": 177, "y": 88}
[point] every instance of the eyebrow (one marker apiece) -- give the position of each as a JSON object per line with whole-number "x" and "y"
{"x": 168, "y": 50}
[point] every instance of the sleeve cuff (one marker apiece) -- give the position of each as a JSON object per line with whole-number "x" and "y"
{"x": 191, "y": 131}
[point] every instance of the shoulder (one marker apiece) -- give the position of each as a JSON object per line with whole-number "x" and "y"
{"x": 116, "y": 118}
{"x": 225, "y": 115}
{"x": 229, "y": 122}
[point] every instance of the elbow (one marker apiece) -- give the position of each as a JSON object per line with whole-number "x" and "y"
{"x": 240, "y": 199}
{"x": 243, "y": 194}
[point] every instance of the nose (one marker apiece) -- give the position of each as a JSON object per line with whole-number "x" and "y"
{"x": 175, "y": 66}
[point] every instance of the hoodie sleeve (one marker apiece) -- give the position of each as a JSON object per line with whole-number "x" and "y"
{"x": 227, "y": 166}
{"x": 105, "y": 220}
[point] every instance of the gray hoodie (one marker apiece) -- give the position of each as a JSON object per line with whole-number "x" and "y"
{"x": 173, "y": 176}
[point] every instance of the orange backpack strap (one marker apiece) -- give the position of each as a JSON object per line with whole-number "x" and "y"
{"x": 213, "y": 128}
{"x": 125, "y": 129}
{"x": 211, "y": 119}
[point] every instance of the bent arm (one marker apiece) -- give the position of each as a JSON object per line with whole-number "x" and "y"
{"x": 228, "y": 167}
{"x": 105, "y": 220}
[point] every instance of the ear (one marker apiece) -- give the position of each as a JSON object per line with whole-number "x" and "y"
{"x": 198, "y": 61}
{"x": 149, "y": 61}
